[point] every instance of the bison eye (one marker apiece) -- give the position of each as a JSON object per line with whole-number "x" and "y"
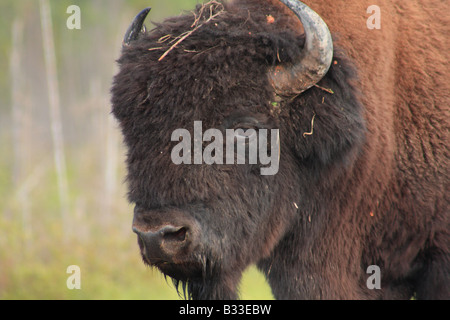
{"x": 245, "y": 133}
{"x": 245, "y": 128}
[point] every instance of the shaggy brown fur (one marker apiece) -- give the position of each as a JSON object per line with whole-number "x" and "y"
{"x": 369, "y": 186}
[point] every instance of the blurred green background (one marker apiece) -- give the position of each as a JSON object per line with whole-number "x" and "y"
{"x": 62, "y": 196}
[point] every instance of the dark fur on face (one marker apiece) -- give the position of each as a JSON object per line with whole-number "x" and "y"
{"x": 298, "y": 224}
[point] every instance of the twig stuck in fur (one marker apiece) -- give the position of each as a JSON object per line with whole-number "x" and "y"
{"x": 312, "y": 128}
{"x": 324, "y": 89}
{"x": 196, "y": 24}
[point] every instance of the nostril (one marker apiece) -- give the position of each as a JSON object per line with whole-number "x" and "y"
{"x": 176, "y": 235}
{"x": 168, "y": 233}
{"x": 165, "y": 243}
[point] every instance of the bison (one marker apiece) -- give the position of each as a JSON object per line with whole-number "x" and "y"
{"x": 362, "y": 188}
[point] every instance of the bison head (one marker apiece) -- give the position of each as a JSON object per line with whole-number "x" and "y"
{"x": 230, "y": 66}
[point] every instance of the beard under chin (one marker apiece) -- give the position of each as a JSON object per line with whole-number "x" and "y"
{"x": 203, "y": 281}
{"x": 215, "y": 288}
{"x": 201, "y": 278}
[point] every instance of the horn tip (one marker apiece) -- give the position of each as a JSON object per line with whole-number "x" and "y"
{"x": 135, "y": 27}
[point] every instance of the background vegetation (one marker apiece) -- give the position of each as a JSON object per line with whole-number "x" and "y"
{"x": 62, "y": 196}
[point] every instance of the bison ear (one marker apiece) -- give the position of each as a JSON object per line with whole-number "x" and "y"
{"x": 328, "y": 127}
{"x": 136, "y": 27}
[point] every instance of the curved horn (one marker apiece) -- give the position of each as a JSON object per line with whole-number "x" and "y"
{"x": 136, "y": 27}
{"x": 314, "y": 60}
